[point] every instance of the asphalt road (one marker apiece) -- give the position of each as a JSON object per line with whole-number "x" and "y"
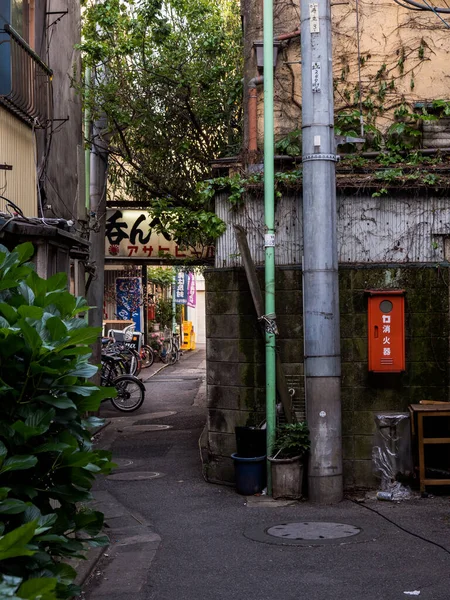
{"x": 210, "y": 541}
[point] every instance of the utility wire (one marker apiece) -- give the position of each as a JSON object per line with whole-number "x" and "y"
{"x": 433, "y": 9}
{"x": 426, "y": 6}
{"x": 416, "y": 535}
{"x": 401, "y": 3}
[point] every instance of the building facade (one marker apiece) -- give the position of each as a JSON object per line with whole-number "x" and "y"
{"x": 393, "y": 222}
{"x": 42, "y": 177}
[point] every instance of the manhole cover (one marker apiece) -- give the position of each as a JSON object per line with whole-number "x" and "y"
{"x": 136, "y": 476}
{"x": 143, "y": 428}
{"x": 155, "y": 415}
{"x": 310, "y": 533}
{"x": 122, "y": 463}
{"x": 314, "y": 530}
{"x": 174, "y": 379}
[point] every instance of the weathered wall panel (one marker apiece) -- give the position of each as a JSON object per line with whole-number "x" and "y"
{"x": 288, "y": 223}
{"x": 370, "y": 230}
{"x": 235, "y": 356}
{"x": 17, "y": 150}
{"x": 398, "y": 53}
{"x": 64, "y": 178}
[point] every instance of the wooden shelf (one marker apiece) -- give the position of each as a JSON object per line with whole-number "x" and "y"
{"x": 438, "y": 410}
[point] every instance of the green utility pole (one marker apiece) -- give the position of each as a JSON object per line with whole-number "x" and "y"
{"x": 269, "y": 239}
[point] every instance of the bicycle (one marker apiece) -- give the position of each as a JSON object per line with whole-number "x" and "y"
{"x": 130, "y": 390}
{"x": 170, "y": 350}
{"x": 118, "y": 343}
{"x": 147, "y": 356}
{"x": 175, "y": 351}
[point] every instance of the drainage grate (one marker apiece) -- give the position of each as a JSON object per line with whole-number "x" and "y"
{"x": 314, "y": 530}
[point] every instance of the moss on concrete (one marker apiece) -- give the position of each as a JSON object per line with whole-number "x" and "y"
{"x": 236, "y": 372}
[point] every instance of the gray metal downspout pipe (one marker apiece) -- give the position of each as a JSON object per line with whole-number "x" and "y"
{"x": 320, "y": 261}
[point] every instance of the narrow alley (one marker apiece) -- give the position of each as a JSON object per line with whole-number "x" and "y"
{"x": 175, "y": 536}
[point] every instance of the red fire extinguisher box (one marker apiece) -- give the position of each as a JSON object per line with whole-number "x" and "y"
{"x": 386, "y": 330}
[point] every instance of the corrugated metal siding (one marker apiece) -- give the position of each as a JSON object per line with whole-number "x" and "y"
{"x": 374, "y": 230}
{"x": 17, "y": 149}
{"x": 392, "y": 230}
{"x": 436, "y": 134}
{"x": 288, "y": 225}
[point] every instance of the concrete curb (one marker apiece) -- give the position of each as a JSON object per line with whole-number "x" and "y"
{"x": 153, "y": 373}
{"x": 131, "y": 538}
{"x": 85, "y": 568}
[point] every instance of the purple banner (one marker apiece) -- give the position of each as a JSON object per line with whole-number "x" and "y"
{"x": 191, "y": 291}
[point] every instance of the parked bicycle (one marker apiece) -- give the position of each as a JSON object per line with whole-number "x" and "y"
{"x": 130, "y": 390}
{"x": 147, "y": 355}
{"x": 124, "y": 344}
{"x": 167, "y": 349}
{"x": 129, "y": 360}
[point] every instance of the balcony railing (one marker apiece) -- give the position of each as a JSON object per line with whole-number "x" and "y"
{"x": 28, "y": 94}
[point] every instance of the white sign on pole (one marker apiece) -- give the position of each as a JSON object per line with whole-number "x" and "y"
{"x": 316, "y": 76}
{"x": 314, "y": 17}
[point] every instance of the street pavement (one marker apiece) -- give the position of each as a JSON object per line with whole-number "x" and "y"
{"x": 176, "y": 537}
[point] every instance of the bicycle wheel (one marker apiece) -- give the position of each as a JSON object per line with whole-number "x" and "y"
{"x": 174, "y": 356}
{"x": 130, "y": 358}
{"x": 137, "y": 362}
{"x": 147, "y": 356}
{"x": 166, "y": 351}
{"x": 130, "y": 393}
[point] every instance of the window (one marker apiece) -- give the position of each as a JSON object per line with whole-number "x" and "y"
{"x": 24, "y": 77}
{"x": 19, "y": 18}
{"x": 22, "y": 17}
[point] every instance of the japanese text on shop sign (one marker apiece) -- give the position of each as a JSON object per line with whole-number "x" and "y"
{"x": 181, "y": 288}
{"x": 132, "y": 233}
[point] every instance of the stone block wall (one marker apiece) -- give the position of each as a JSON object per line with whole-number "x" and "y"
{"x": 235, "y": 355}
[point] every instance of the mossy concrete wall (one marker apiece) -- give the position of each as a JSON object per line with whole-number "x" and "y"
{"x": 235, "y": 356}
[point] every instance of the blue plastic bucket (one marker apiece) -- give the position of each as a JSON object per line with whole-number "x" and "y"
{"x": 250, "y": 441}
{"x": 250, "y": 474}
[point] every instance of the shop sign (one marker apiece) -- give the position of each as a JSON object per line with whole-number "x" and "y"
{"x": 132, "y": 234}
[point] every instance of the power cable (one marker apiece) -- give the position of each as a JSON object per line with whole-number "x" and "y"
{"x": 416, "y": 535}
{"x": 427, "y": 6}
{"x": 401, "y": 3}
{"x": 11, "y": 204}
{"x": 433, "y": 9}
{"x": 412, "y": 5}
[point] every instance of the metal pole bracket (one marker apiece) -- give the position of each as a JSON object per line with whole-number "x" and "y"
{"x": 269, "y": 323}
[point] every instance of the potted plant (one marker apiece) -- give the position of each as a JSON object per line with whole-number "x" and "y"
{"x": 290, "y": 447}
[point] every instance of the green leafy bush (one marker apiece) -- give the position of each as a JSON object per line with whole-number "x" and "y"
{"x": 292, "y": 439}
{"x": 47, "y": 462}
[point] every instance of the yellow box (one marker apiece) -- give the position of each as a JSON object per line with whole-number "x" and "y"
{"x": 188, "y": 336}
